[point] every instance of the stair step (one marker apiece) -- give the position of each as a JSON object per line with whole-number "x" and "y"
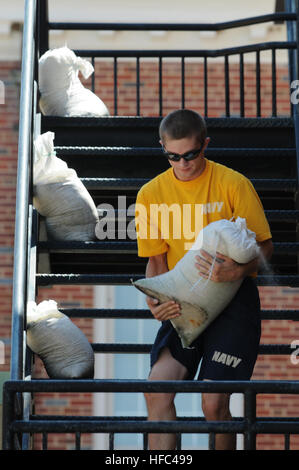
{"x": 121, "y": 246}
{"x": 143, "y": 131}
{"x": 109, "y": 419}
{"x": 125, "y": 279}
{"x": 80, "y": 151}
{"x": 145, "y": 122}
{"x": 121, "y": 257}
{"x": 141, "y": 385}
{"x": 90, "y": 247}
{"x": 289, "y": 184}
{"x": 271, "y": 214}
{"x": 282, "y": 215}
{"x": 136, "y": 348}
{"x": 275, "y": 214}
{"x": 142, "y": 314}
{"x": 148, "y": 161}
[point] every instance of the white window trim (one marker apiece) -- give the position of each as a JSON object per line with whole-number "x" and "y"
{"x": 103, "y": 333}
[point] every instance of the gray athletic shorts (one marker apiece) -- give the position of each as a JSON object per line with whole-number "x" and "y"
{"x": 228, "y": 348}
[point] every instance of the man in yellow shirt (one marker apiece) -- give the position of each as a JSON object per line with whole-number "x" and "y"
{"x": 170, "y": 211}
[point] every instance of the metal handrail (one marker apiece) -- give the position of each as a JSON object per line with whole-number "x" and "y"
{"x": 22, "y": 193}
{"x": 258, "y": 47}
{"x": 174, "y": 26}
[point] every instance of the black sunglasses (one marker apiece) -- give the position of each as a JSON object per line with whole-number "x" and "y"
{"x": 175, "y": 157}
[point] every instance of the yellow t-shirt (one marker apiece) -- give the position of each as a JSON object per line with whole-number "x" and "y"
{"x": 170, "y": 212}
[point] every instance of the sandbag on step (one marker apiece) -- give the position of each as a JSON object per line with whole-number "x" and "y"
{"x": 202, "y": 300}
{"x": 61, "y": 345}
{"x": 62, "y": 93}
{"x": 60, "y": 196}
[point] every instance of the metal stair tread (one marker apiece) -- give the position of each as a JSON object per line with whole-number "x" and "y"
{"x": 129, "y": 246}
{"x": 127, "y": 278}
{"x": 270, "y": 213}
{"x": 157, "y": 151}
{"x": 137, "y": 314}
{"x": 136, "y": 183}
{"x": 142, "y": 385}
{"x": 144, "y": 121}
{"x": 144, "y": 348}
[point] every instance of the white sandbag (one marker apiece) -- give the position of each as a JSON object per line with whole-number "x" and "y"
{"x": 60, "y": 196}
{"x": 202, "y": 300}
{"x": 62, "y": 93}
{"x": 61, "y": 345}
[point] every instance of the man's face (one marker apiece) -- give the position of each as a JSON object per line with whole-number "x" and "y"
{"x": 186, "y": 170}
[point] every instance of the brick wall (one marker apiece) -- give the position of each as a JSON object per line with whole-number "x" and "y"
{"x": 277, "y": 367}
{"x": 267, "y": 367}
{"x": 194, "y": 88}
{"x": 9, "y": 74}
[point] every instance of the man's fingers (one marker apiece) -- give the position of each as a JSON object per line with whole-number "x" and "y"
{"x": 166, "y": 310}
{"x": 201, "y": 263}
{"x": 204, "y": 257}
{"x": 151, "y": 301}
{"x": 166, "y": 316}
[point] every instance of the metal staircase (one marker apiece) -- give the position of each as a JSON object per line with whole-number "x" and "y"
{"x": 114, "y": 156}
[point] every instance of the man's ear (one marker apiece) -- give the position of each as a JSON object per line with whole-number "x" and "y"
{"x": 205, "y": 145}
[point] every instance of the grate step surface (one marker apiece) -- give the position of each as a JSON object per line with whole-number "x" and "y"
{"x": 136, "y": 183}
{"x": 124, "y": 348}
{"x": 125, "y": 279}
{"x": 121, "y": 246}
{"x": 133, "y": 314}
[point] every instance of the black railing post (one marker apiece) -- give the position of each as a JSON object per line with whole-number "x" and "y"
{"x": 138, "y": 86}
{"x": 183, "y": 81}
{"x": 43, "y": 26}
{"x": 115, "y": 89}
{"x": 7, "y": 419}
{"x": 250, "y": 419}
{"x": 274, "y": 88}
{"x": 258, "y": 84}
{"x": 242, "y": 89}
{"x": 227, "y": 91}
{"x": 206, "y": 86}
{"x": 160, "y": 87}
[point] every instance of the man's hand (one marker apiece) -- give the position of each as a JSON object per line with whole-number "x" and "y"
{"x": 221, "y": 269}
{"x": 164, "y": 311}
{"x": 167, "y": 310}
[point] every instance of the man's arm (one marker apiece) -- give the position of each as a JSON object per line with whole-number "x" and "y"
{"x": 158, "y": 265}
{"x": 226, "y": 269}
